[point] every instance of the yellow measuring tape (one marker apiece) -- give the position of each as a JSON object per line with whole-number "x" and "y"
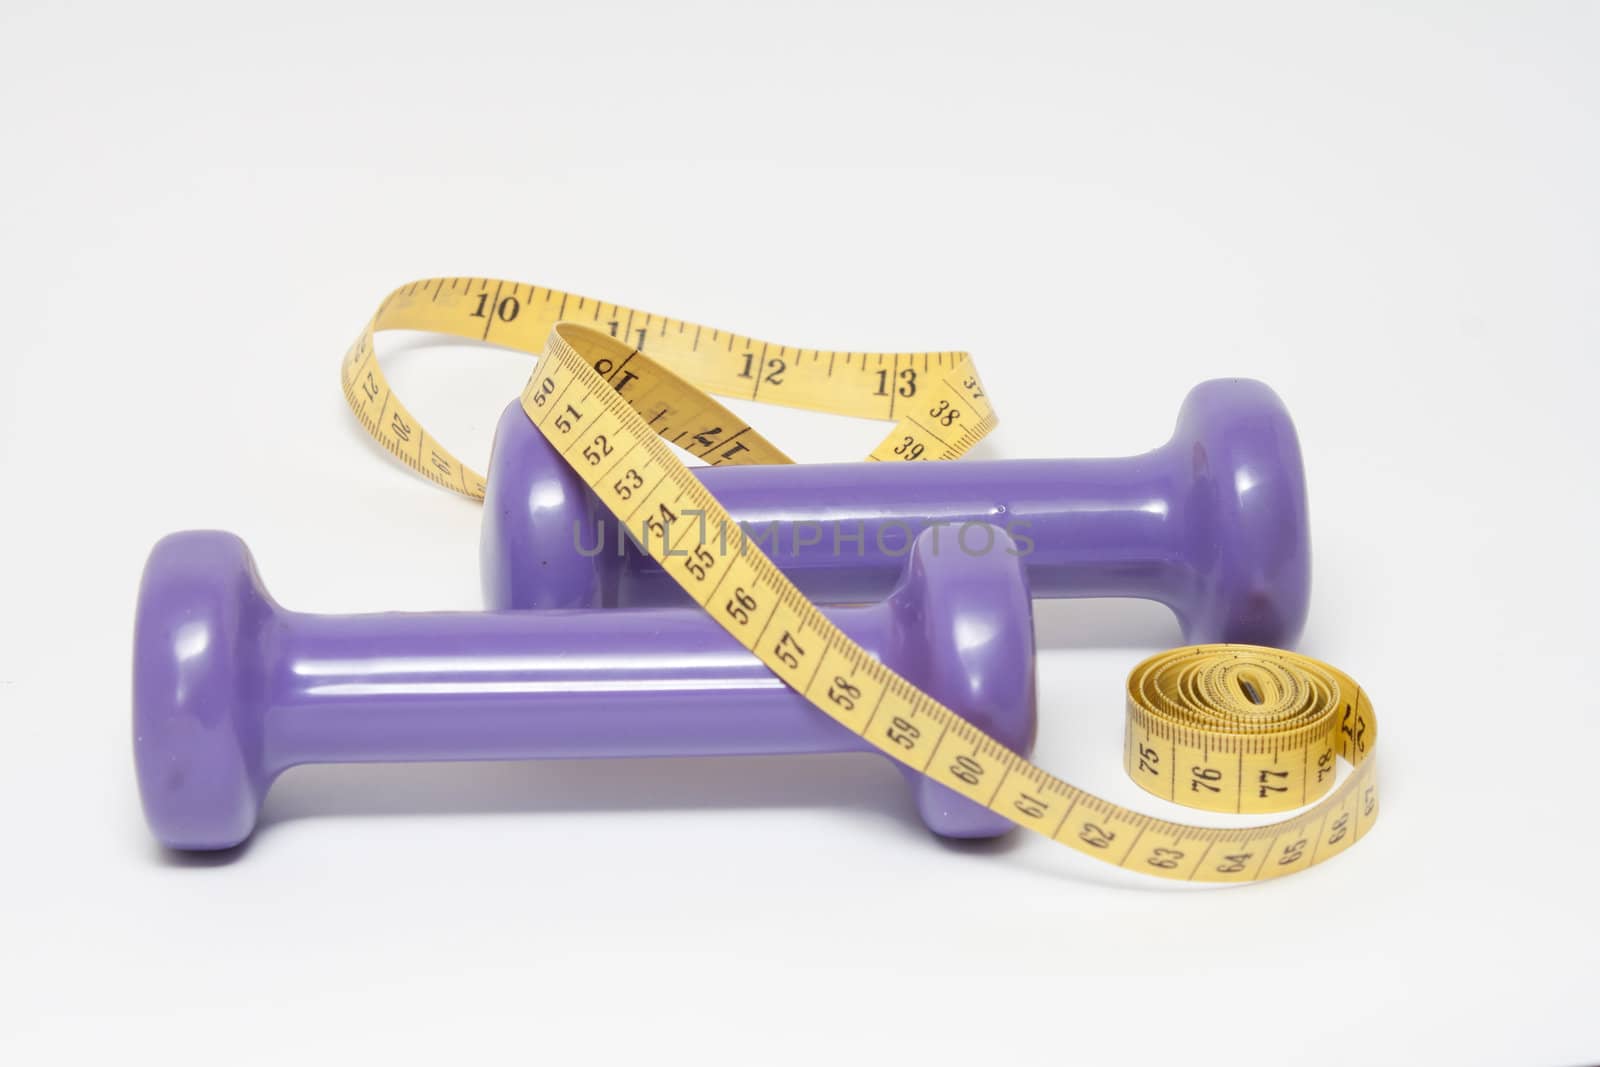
{"x": 1232, "y": 728}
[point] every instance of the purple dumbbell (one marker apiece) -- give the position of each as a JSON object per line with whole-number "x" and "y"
{"x": 230, "y": 690}
{"x": 1213, "y": 523}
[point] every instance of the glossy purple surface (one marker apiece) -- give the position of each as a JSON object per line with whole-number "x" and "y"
{"x": 229, "y": 689}
{"x": 1213, "y": 523}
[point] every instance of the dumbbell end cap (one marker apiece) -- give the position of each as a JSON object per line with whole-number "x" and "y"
{"x": 196, "y": 736}
{"x": 538, "y": 546}
{"x": 964, "y": 635}
{"x": 1249, "y": 532}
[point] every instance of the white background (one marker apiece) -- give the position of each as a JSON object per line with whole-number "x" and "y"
{"x": 1389, "y": 214}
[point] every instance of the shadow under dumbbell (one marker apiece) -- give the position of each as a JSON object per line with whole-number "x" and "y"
{"x": 173, "y": 857}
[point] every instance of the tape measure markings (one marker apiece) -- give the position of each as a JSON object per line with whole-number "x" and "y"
{"x": 1266, "y": 710}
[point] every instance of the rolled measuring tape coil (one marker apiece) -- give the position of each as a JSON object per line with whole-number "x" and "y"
{"x": 1232, "y": 728}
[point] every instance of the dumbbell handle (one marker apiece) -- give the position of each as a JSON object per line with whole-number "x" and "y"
{"x": 524, "y": 685}
{"x": 841, "y": 531}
